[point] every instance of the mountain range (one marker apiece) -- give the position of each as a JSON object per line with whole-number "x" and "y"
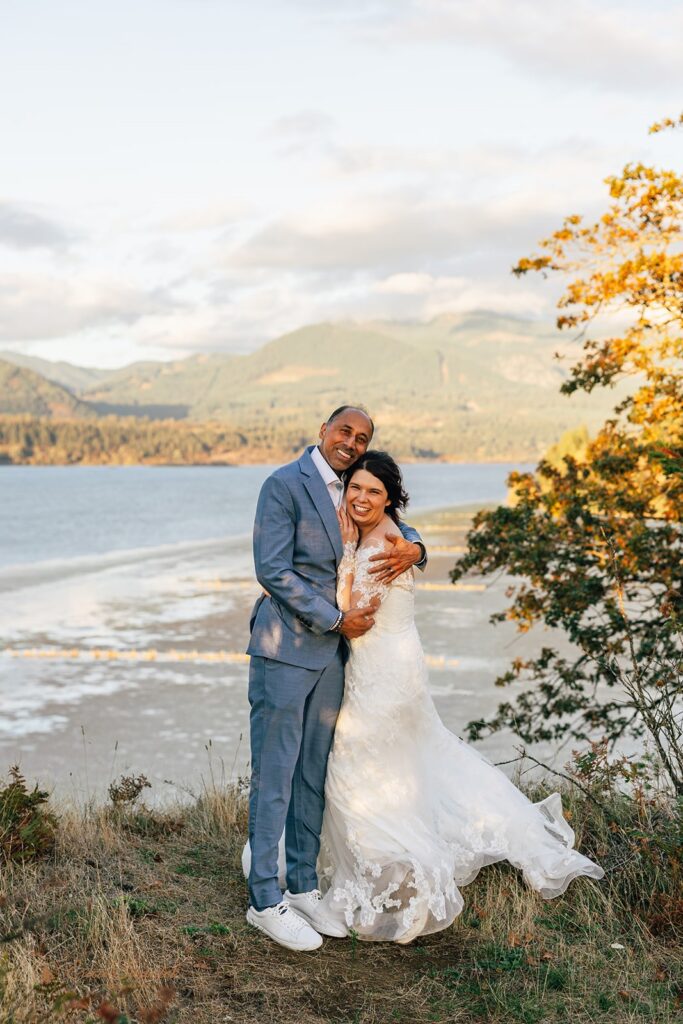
{"x": 475, "y": 385}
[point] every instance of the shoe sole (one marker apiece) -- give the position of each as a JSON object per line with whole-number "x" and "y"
{"x": 306, "y": 948}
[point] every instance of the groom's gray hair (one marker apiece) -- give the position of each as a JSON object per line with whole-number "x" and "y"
{"x": 345, "y": 408}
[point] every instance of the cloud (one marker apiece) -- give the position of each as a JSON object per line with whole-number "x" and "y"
{"x": 422, "y": 296}
{"x": 616, "y": 45}
{"x": 229, "y": 327}
{"x": 394, "y": 234}
{"x": 404, "y": 242}
{"x": 39, "y": 306}
{"x": 238, "y": 320}
{"x": 22, "y": 228}
{"x": 303, "y": 132}
{"x": 213, "y": 216}
{"x": 573, "y": 158}
{"x": 235, "y": 315}
{"x": 435, "y": 210}
{"x": 303, "y": 123}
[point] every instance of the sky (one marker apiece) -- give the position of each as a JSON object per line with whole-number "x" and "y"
{"x": 182, "y": 176}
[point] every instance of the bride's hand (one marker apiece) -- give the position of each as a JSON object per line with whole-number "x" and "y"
{"x": 349, "y": 530}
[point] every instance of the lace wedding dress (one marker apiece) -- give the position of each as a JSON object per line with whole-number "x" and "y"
{"x": 411, "y": 811}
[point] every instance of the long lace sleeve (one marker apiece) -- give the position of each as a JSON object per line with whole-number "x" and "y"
{"x": 345, "y": 576}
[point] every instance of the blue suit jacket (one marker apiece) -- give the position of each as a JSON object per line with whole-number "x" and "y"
{"x": 297, "y": 548}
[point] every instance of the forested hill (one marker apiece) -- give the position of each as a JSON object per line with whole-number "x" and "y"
{"x": 475, "y": 386}
{"x": 73, "y": 378}
{"x": 24, "y": 391}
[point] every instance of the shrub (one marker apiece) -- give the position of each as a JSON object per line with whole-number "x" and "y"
{"x": 127, "y": 790}
{"x": 27, "y": 827}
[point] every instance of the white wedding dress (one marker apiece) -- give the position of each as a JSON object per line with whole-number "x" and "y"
{"x": 411, "y": 811}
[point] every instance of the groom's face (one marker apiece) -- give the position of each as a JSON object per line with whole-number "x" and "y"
{"x": 345, "y": 439}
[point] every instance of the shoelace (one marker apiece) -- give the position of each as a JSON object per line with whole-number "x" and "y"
{"x": 313, "y": 895}
{"x": 294, "y": 923}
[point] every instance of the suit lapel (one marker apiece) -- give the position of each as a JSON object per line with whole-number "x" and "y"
{"x": 315, "y": 485}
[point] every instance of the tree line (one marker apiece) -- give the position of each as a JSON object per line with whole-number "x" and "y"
{"x": 268, "y": 437}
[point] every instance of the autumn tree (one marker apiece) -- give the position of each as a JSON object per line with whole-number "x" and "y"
{"x": 593, "y": 542}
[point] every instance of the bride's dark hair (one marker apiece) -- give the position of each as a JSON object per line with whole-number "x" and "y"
{"x": 381, "y": 465}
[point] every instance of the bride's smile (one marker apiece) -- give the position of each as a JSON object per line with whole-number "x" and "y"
{"x": 366, "y": 500}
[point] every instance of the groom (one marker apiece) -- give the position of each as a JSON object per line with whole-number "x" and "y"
{"x": 296, "y": 675}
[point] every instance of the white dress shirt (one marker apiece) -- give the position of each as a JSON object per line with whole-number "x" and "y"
{"x": 335, "y": 487}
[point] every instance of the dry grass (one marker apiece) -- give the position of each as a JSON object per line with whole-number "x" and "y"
{"x": 138, "y": 916}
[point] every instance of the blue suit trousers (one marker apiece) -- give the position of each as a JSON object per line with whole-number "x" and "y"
{"x": 293, "y": 715}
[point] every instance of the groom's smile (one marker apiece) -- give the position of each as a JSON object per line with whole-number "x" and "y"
{"x": 345, "y": 438}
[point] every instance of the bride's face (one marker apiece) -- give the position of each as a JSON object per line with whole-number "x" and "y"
{"x": 366, "y": 498}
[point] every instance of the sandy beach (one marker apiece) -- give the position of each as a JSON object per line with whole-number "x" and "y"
{"x": 153, "y": 678}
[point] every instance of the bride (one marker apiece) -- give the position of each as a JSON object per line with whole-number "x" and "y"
{"x": 412, "y": 812}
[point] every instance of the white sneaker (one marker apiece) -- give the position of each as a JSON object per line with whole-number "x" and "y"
{"x": 309, "y": 906}
{"x": 282, "y": 925}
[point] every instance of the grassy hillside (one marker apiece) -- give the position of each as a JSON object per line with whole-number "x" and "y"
{"x": 472, "y": 363}
{"x": 24, "y": 391}
{"x": 73, "y": 378}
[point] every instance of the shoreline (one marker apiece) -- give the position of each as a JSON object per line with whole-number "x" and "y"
{"x": 154, "y": 675}
{"x": 274, "y": 459}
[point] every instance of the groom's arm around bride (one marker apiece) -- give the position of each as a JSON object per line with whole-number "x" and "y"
{"x": 297, "y": 566}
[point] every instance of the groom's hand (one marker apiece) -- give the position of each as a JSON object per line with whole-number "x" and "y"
{"x": 397, "y": 559}
{"x": 358, "y": 621}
